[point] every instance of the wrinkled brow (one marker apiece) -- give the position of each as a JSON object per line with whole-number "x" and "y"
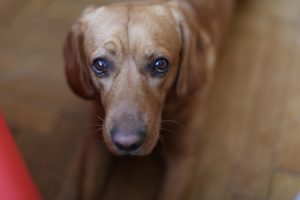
{"x": 111, "y": 47}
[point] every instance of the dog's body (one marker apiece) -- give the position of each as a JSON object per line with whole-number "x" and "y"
{"x": 148, "y": 66}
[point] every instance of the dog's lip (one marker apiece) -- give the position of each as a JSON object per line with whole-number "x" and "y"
{"x": 138, "y": 152}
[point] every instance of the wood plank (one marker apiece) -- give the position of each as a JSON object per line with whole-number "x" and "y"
{"x": 256, "y": 161}
{"x": 288, "y": 148}
{"x": 229, "y": 109}
{"x": 284, "y": 185}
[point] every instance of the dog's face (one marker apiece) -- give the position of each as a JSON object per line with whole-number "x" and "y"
{"x": 129, "y": 55}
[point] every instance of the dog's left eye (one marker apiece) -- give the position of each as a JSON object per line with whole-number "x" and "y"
{"x": 101, "y": 67}
{"x": 160, "y": 67}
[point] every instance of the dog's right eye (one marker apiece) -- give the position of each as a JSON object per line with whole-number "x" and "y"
{"x": 159, "y": 67}
{"x": 101, "y": 67}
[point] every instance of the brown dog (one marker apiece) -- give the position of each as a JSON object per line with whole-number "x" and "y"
{"x": 144, "y": 63}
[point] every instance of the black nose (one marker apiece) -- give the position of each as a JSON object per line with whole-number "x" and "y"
{"x": 127, "y": 141}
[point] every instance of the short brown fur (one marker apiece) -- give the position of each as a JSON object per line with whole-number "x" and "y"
{"x": 132, "y": 34}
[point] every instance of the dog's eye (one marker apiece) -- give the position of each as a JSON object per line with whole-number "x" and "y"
{"x": 101, "y": 67}
{"x": 159, "y": 67}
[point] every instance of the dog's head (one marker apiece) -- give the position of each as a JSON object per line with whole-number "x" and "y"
{"x": 131, "y": 56}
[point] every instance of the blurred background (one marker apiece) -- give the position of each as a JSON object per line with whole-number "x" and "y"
{"x": 251, "y": 147}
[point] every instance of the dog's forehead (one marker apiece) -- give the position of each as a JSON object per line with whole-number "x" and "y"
{"x": 103, "y": 23}
{"x": 155, "y": 26}
{"x": 134, "y": 26}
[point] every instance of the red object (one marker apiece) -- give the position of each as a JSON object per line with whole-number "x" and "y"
{"x": 15, "y": 180}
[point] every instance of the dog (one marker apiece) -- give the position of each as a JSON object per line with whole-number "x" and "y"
{"x": 144, "y": 64}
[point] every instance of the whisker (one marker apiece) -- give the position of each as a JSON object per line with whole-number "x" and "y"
{"x": 172, "y": 121}
{"x": 97, "y": 125}
{"x": 161, "y": 138}
{"x": 98, "y": 130}
{"x": 100, "y": 118}
{"x": 169, "y": 130}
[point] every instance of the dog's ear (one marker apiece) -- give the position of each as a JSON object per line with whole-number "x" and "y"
{"x": 76, "y": 66}
{"x": 197, "y": 54}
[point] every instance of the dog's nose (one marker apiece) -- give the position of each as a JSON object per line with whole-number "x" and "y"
{"x": 127, "y": 141}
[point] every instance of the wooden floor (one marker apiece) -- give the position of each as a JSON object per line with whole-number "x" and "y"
{"x": 251, "y": 147}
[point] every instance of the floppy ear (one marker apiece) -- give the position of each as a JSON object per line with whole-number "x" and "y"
{"x": 197, "y": 54}
{"x": 76, "y": 63}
